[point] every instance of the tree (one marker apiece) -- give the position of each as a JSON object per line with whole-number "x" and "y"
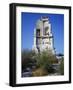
{"x": 27, "y": 59}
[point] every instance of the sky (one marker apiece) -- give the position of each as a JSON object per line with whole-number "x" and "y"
{"x": 28, "y": 23}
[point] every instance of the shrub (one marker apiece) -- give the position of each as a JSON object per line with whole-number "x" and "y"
{"x": 45, "y": 61}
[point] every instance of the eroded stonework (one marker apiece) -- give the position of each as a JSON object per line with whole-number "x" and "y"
{"x": 43, "y": 38}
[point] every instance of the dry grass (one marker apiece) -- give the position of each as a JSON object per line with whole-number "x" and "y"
{"x": 39, "y": 72}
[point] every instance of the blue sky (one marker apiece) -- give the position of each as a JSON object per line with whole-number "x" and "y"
{"x": 28, "y": 22}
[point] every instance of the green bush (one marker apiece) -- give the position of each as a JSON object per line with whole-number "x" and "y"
{"x": 45, "y": 60}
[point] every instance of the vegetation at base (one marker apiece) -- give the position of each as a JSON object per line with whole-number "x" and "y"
{"x": 45, "y": 61}
{"x": 42, "y": 61}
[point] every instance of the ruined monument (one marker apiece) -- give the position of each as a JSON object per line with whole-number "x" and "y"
{"x": 43, "y": 38}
